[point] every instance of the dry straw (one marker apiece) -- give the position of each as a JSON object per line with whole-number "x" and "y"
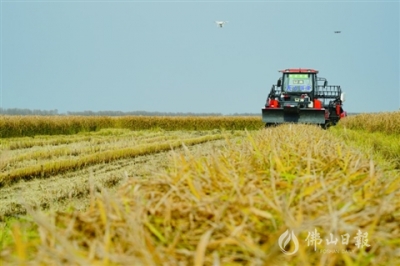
{"x": 59, "y": 165}
{"x": 231, "y": 208}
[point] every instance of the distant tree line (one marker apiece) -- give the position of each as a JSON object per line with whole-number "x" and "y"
{"x": 19, "y": 111}
{"x": 138, "y": 113}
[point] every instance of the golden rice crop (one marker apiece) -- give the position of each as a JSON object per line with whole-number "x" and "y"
{"x": 231, "y": 208}
{"x": 380, "y": 146}
{"x": 19, "y": 126}
{"x": 190, "y": 123}
{"x": 387, "y": 122}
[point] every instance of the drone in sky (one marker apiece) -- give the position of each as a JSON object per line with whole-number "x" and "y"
{"x": 337, "y": 31}
{"x": 221, "y": 23}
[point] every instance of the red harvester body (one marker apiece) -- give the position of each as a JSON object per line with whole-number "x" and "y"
{"x": 299, "y": 98}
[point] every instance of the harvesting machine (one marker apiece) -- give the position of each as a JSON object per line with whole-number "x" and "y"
{"x": 301, "y": 97}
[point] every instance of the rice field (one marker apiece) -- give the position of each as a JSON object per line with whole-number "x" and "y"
{"x": 385, "y": 122}
{"x": 23, "y": 126}
{"x": 239, "y": 195}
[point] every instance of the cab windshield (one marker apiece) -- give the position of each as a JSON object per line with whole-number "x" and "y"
{"x": 297, "y": 83}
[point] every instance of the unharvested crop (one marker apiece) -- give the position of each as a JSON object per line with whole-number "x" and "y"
{"x": 22, "y": 126}
{"x": 385, "y": 122}
{"x": 378, "y": 145}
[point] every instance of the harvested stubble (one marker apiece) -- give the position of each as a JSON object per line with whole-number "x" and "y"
{"x": 231, "y": 208}
{"x": 97, "y": 137}
{"x": 55, "y": 166}
{"x": 85, "y": 147}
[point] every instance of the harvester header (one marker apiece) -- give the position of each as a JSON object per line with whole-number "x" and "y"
{"x": 299, "y": 97}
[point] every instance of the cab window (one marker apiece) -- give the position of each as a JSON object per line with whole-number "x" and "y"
{"x": 297, "y": 83}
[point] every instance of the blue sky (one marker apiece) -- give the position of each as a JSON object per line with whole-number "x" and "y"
{"x": 170, "y": 56}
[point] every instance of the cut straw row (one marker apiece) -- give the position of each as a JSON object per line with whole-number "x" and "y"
{"x": 58, "y": 166}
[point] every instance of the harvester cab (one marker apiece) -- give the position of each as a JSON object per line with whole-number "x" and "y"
{"x": 301, "y": 97}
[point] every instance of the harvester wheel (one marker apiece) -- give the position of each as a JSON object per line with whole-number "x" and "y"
{"x": 267, "y": 125}
{"x": 327, "y": 124}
